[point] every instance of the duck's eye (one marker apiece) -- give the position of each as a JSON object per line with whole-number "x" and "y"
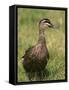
{"x": 45, "y": 21}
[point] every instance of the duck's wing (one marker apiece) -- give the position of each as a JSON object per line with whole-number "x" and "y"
{"x": 27, "y": 52}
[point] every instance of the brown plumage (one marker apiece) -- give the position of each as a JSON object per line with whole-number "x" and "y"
{"x": 35, "y": 58}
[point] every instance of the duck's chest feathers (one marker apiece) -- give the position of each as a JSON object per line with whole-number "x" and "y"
{"x": 39, "y": 51}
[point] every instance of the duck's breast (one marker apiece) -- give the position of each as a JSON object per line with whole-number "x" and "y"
{"x": 39, "y": 51}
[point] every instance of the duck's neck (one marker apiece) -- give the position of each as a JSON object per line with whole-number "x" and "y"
{"x": 42, "y": 36}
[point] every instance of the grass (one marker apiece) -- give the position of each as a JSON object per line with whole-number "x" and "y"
{"x": 28, "y": 20}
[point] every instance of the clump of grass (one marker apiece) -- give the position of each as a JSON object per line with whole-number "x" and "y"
{"x": 28, "y": 20}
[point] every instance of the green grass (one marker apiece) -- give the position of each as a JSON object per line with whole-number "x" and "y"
{"x": 28, "y": 20}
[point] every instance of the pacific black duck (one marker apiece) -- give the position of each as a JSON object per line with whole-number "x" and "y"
{"x": 35, "y": 58}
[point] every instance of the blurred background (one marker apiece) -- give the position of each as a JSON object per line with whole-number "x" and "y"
{"x": 28, "y": 33}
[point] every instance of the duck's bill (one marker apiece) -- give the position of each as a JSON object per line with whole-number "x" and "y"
{"x": 51, "y": 25}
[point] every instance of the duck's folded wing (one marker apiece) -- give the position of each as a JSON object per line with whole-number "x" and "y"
{"x": 27, "y": 52}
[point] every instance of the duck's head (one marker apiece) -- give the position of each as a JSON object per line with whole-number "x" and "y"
{"x": 45, "y": 23}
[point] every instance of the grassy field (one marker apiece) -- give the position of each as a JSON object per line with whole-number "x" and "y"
{"x": 28, "y": 29}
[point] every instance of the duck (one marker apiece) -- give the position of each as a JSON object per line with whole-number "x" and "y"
{"x": 36, "y": 57}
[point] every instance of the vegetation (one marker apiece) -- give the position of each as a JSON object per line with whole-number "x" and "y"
{"x": 28, "y": 26}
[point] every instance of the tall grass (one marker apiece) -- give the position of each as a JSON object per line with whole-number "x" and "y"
{"x": 28, "y": 29}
